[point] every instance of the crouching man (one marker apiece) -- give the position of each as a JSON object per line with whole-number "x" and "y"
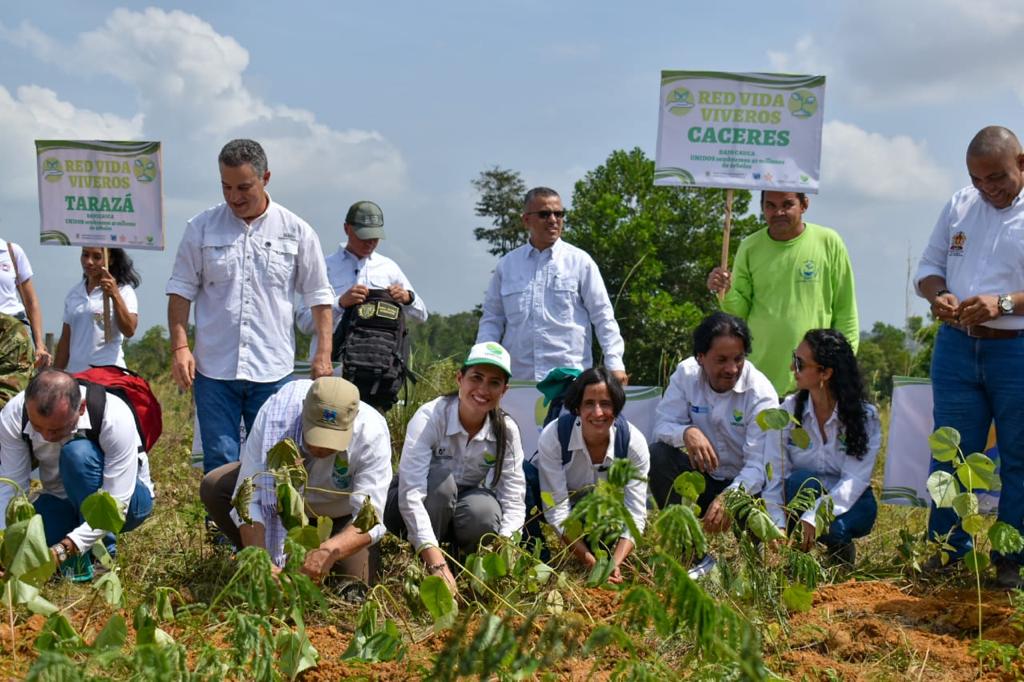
{"x": 48, "y": 425}
{"x": 346, "y": 450}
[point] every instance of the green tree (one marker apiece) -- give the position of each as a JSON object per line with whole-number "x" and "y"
{"x": 887, "y": 351}
{"x": 655, "y": 247}
{"x": 150, "y": 355}
{"x": 444, "y": 336}
{"x": 501, "y": 200}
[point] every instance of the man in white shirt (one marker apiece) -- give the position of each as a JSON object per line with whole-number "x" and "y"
{"x": 707, "y": 419}
{"x": 544, "y": 297}
{"x": 346, "y": 451}
{"x": 242, "y": 263}
{"x": 71, "y": 467}
{"x": 356, "y": 267}
{"x": 972, "y": 274}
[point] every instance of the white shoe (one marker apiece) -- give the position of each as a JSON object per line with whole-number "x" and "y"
{"x": 703, "y": 567}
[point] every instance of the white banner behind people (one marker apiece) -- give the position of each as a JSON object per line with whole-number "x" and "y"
{"x": 908, "y": 458}
{"x": 740, "y": 130}
{"x": 100, "y": 193}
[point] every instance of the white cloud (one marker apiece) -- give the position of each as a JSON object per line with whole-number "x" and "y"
{"x": 874, "y": 166}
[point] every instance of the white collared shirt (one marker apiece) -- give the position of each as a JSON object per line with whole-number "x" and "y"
{"x": 978, "y": 249}
{"x": 581, "y": 472}
{"x": 435, "y": 431}
{"x": 123, "y": 463}
{"x": 843, "y": 476}
{"x": 540, "y": 306}
{"x": 344, "y": 271}
{"x": 728, "y": 420}
{"x": 364, "y": 470}
{"x": 83, "y": 314}
{"x": 242, "y": 279}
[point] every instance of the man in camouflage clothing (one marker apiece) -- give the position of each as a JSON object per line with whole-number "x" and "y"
{"x": 16, "y": 357}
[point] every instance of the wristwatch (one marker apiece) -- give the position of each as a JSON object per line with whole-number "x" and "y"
{"x": 61, "y": 551}
{"x": 1006, "y": 304}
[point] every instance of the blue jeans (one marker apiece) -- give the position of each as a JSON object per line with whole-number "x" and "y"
{"x": 856, "y": 522}
{"x": 976, "y": 381}
{"x": 221, "y": 404}
{"x": 81, "y": 472}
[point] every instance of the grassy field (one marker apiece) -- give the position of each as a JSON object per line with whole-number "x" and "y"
{"x": 193, "y": 611}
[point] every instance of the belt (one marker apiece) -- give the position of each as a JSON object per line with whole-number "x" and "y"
{"x": 979, "y": 331}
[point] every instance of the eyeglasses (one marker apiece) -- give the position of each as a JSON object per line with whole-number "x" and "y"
{"x": 544, "y": 215}
{"x": 800, "y": 365}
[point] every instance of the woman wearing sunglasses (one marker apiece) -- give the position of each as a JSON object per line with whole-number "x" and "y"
{"x": 844, "y": 435}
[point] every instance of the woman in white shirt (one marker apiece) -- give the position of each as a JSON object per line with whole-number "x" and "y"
{"x": 460, "y": 477}
{"x": 595, "y": 401}
{"x": 844, "y": 436}
{"x": 82, "y": 343}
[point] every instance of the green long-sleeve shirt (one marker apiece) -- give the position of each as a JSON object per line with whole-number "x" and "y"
{"x": 782, "y": 289}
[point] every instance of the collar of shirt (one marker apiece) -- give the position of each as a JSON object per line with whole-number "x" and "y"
{"x": 810, "y": 421}
{"x": 554, "y": 249}
{"x": 576, "y": 443}
{"x": 454, "y": 426}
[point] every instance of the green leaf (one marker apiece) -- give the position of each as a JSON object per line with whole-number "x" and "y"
{"x": 100, "y": 553}
{"x": 113, "y": 634}
{"x": 762, "y": 526}
{"x": 976, "y": 561}
{"x": 25, "y": 554}
{"x": 295, "y": 652}
{"x": 243, "y": 498}
{"x": 973, "y": 523}
{"x": 19, "y": 509}
{"x": 1005, "y": 538}
{"x": 289, "y": 506}
{"x": 798, "y": 597}
{"x": 103, "y": 512}
{"x": 689, "y": 485}
{"x": 439, "y": 602}
{"x": 976, "y": 472}
{"x": 18, "y": 592}
{"x": 57, "y": 633}
{"x": 773, "y": 419}
{"x": 367, "y": 517}
{"x": 769, "y": 472}
{"x": 965, "y": 504}
{"x": 495, "y": 566}
{"x": 572, "y": 529}
{"x": 547, "y": 498}
{"x": 324, "y": 526}
{"x": 163, "y": 608}
{"x": 306, "y": 536}
{"x": 944, "y": 444}
{"x": 943, "y": 488}
{"x": 284, "y": 454}
{"x": 601, "y": 570}
{"x": 109, "y": 585}
{"x": 800, "y": 438}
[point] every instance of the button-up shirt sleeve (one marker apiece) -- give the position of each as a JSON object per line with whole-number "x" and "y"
{"x": 311, "y": 274}
{"x": 636, "y": 489}
{"x": 422, "y": 435}
{"x": 855, "y": 476}
{"x": 492, "y": 322}
{"x": 774, "y": 454}
{"x": 372, "y": 476}
{"x": 552, "y": 476}
{"x": 672, "y": 415}
{"x": 16, "y": 463}
{"x": 602, "y": 316}
{"x": 119, "y": 441}
{"x": 511, "y": 487}
{"x": 186, "y": 274}
{"x": 752, "y": 475}
{"x": 933, "y": 260}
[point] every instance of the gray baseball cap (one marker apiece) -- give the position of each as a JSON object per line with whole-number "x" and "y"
{"x": 366, "y": 219}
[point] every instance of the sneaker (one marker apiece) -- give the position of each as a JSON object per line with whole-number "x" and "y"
{"x": 1008, "y": 575}
{"x": 702, "y": 567}
{"x": 78, "y": 568}
{"x": 844, "y": 554}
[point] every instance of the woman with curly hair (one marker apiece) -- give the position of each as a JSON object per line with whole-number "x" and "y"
{"x": 838, "y": 455}
{"x": 82, "y": 341}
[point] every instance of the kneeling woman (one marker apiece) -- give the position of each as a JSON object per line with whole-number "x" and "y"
{"x": 576, "y": 450}
{"x": 460, "y": 476}
{"x": 844, "y": 437}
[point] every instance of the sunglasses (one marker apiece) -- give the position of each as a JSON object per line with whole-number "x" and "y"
{"x": 799, "y": 365}
{"x": 544, "y": 215}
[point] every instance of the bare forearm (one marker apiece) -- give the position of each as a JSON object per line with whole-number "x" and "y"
{"x": 177, "y": 319}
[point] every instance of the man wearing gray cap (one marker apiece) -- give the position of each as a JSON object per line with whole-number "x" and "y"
{"x": 356, "y": 267}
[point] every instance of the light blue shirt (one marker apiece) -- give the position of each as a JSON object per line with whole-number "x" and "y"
{"x": 540, "y": 305}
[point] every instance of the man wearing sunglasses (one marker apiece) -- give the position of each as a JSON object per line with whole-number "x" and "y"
{"x": 972, "y": 274}
{"x": 544, "y": 297}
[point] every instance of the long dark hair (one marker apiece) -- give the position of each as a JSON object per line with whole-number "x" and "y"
{"x": 498, "y": 429}
{"x": 831, "y": 349}
{"x": 120, "y": 265}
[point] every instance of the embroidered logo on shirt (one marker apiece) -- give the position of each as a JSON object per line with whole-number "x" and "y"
{"x": 700, "y": 409}
{"x": 808, "y": 271}
{"x": 737, "y": 418}
{"x": 340, "y": 474}
{"x": 490, "y": 459}
{"x": 956, "y": 244}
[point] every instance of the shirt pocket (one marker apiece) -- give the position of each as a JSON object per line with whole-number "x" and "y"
{"x": 562, "y": 296}
{"x": 280, "y": 256}
{"x": 513, "y": 300}
{"x": 220, "y": 259}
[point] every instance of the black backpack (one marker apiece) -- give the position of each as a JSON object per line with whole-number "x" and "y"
{"x": 372, "y": 344}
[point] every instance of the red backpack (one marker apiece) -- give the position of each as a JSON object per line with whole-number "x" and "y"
{"x": 135, "y": 391}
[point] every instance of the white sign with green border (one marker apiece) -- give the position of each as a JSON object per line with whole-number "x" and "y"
{"x": 100, "y": 193}
{"x": 740, "y": 130}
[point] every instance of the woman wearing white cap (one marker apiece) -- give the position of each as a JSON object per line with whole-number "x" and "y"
{"x": 460, "y": 476}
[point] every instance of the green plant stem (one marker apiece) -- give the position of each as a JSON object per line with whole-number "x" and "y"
{"x": 10, "y": 620}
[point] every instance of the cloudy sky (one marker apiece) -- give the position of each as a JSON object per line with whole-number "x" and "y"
{"x": 406, "y": 102}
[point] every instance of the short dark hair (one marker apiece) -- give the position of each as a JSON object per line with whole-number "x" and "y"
{"x": 242, "y": 151}
{"x": 538, "y": 193}
{"x": 802, "y": 196}
{"x": 720, "y": 324}
{"x": 595, "y": 375}
{"x": 48, "y": 389}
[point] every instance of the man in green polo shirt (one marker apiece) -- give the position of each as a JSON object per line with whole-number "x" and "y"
{"x": 788, "y": 277}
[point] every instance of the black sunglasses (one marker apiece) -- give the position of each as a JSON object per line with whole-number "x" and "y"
{"x": 544, "y": 215}
{"x": 800, "y": 365}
